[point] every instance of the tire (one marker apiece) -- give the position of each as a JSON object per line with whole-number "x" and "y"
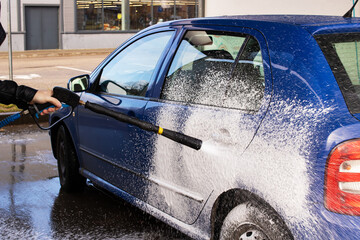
{"x": 68, "y": 164}
{"x": 247, "y": 222}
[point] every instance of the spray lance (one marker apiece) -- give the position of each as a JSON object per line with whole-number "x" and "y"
{"x": 72, "y": 100}
{"x": 175, "y": 136}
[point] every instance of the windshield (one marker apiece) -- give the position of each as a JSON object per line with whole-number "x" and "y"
{"x": 342, "y": 52}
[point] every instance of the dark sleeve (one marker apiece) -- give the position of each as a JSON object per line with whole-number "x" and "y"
{"x": 11, "y": 93}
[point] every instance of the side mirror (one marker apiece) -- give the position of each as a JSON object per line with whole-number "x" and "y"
{"x": 79, "y": 83}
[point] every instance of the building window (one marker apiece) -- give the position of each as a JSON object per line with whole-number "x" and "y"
{"x": 115, "y": 15}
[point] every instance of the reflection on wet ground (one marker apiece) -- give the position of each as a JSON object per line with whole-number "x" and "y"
{"x": 32, "y": 206}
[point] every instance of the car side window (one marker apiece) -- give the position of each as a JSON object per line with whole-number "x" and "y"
{"x": 217, "y": 69}
{"x": 129, "y": 73}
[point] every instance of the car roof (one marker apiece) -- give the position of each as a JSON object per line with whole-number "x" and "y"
{"x": 315, "y": 24}
{"x": 303, "y": 20}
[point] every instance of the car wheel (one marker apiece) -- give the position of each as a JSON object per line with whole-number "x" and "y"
{"x": 247, "y": 222}
{"x": 68, "y": 165}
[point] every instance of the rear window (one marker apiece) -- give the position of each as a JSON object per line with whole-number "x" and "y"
{"x": 342, "y": 52}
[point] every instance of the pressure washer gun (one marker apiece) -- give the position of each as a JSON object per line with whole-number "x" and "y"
{"x": 71, "y": 99}
{"x": 175, "y": 136}
{"x": 65, "y": 96}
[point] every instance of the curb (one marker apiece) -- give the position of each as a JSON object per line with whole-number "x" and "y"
{"x": 57, "y": 53}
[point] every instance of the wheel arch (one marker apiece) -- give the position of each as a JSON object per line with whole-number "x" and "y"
{"x": 229, "y": 200}
{"x": 53, "y": 134}
{"x": 54, "y": 131}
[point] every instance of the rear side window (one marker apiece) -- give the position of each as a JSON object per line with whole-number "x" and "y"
{"x": 217, "y": 69}
{"x": 348, "y": 54}
{"x": 342, "y": 52}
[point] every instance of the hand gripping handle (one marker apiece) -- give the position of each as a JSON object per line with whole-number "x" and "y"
{"x": 62, "y": 94}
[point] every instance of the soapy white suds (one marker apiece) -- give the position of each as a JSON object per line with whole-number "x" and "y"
{"x": 275, "y": 166}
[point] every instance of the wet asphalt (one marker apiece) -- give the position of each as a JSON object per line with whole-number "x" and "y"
{"x": 32, "y": 205}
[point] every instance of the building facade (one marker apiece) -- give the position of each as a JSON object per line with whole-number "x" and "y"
{"x": 83, "y": 24}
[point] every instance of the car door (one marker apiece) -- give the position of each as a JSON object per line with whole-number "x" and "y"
{"x": 216, "y": 87}
{"x": 111, "y": 150}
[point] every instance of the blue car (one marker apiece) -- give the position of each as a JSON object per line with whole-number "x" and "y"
{"x": 275, "y": 101}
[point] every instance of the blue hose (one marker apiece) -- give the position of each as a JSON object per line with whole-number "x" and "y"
{"x": 9, "y": 119}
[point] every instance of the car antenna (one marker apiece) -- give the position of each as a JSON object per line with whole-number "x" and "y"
{"x": 349, "y": 13}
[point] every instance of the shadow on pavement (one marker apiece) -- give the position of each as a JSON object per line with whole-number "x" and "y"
{"x": 97, "y": 215}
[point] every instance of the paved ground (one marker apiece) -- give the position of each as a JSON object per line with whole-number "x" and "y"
{"x": 32, "y": 206}
{"x": 44, "y": 69}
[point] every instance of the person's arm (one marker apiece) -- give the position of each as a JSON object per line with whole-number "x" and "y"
{"x": 11, "y": 93}
{"x": 21, "y": 96}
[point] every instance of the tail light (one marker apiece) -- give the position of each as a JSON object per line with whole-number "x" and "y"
{"x": 342, "y": 179}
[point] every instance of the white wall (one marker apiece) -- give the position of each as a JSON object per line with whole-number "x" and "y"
{"x": 307, "y": 7}
{"x": 69, "y": 15}
{"x": 89, "y": 41}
